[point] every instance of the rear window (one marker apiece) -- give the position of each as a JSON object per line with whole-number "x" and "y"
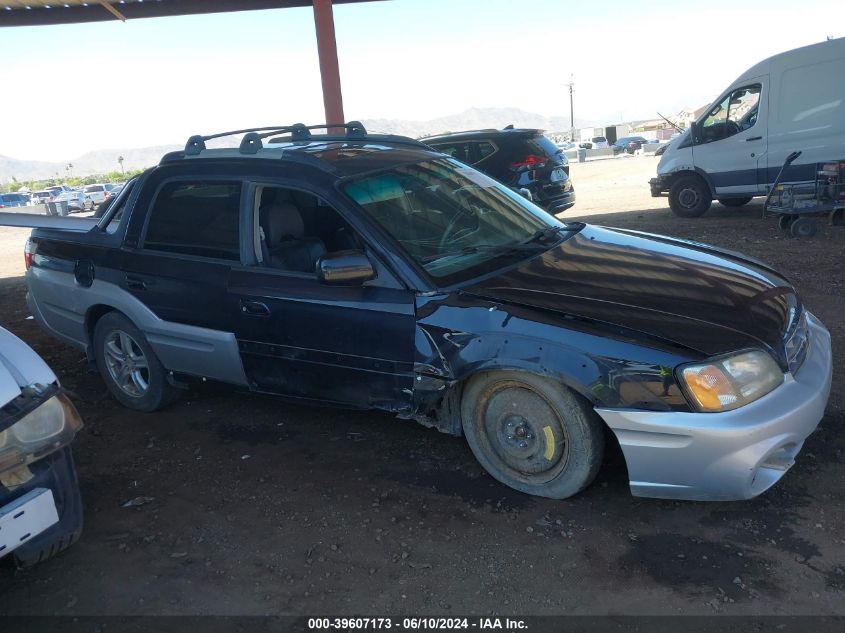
{"x": 93, "y": 188}
{"x": 196, "y": 218}
{"x": 546, "y": 145}
{"x": 599, "y": 139}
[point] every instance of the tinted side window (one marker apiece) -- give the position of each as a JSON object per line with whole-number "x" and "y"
{"x": 196, "y": 218}
{"x": 483, "y": 149}
{"x": 458, "y": 151}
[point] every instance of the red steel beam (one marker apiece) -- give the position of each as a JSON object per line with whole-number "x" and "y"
{"x": 329, "y": 69}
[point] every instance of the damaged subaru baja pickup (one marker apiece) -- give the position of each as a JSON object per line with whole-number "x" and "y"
{"x": 370, "y": 271}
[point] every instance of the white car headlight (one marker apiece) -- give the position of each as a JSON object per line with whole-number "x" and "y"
{"x": 731, "y": 382}
{"x": 46, "y": 428}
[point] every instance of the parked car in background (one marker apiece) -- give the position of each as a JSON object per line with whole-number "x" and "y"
{"x": 40, "y": 504}
{"x": 97, "y": 192}
{"x": 628, "y": 144}
{"x": 76, "y": 201}
{"x": 57, "y": 189}
{"x": 40, "y": 197}
{"x": 598, "y": 142}
{"x": 523, "y": 159}
{"x": 13, "y": 200}
{"x": 113, "y": 192}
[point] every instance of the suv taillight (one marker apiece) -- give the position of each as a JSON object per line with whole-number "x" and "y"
{"x": 532, "y": 161}
{"x": 28, "y": 253}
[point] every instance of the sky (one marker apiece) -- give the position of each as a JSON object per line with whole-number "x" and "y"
{"x": 158, "y": 81}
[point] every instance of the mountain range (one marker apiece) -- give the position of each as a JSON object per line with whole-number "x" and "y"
{"x": 105, "y": 160}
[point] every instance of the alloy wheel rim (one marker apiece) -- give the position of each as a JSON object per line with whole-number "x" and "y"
{"x": 127, "y": 364}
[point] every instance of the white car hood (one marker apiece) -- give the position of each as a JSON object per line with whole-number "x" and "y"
{"x": 20, "y": 367}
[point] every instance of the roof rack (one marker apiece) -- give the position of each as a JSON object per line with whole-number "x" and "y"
{"x": 299, "y": 132}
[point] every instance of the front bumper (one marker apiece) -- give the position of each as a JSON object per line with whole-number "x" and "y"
{"x": 54, "y": 473}
{"x": 659, "y": 187}
{"x": 732, "y": 455}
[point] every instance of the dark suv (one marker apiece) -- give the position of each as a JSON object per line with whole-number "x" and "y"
{"x": 523, "y": 159}
{"x": 373, "y": 272}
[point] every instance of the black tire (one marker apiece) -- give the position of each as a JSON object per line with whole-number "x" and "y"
{"x": 48, "y": 552}
{"x": 803, "y": 227}
{"x": 734, "y": 202}
{"x": 785, "y": 222}
{"x": 140, "y": 382}
{"x": 532, "y": 433}
{"x": 689, "y": 197}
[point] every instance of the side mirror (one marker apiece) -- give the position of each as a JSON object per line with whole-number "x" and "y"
{"x": 345, "y": 267}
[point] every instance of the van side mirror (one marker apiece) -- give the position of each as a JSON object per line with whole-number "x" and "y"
{"x": 345, "y": 267}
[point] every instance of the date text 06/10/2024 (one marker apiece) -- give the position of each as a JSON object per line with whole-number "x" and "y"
{"x": 414, "y": 624}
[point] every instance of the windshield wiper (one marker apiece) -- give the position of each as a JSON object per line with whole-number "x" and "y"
{"x": 532, "y": 243}
{"x": 553, "y": 232}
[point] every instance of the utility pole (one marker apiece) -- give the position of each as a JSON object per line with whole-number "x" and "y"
{"x": 571, "y": 84}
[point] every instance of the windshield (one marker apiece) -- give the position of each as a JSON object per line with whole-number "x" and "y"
{"x": 454, "y": 221}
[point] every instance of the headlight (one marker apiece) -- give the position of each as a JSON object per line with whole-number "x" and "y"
{"x": 46, "y": 428}
{"x": 730, "y": 383}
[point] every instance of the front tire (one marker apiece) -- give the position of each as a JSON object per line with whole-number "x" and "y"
{"x": 532, "y": 433}
{"x": 734, "y": 202}
{"x": 129, "y": 367}
{"x": 689, "y": 197}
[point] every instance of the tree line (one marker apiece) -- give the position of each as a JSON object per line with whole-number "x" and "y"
{"x": 15, "y": 185}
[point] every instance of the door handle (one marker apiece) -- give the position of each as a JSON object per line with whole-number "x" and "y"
{"x": 254, "y": 308}
{"x": 753, "y": 138}
{"x": 136, "y": 283}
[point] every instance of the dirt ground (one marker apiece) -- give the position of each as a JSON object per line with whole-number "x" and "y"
{"x": 261, "y": 507}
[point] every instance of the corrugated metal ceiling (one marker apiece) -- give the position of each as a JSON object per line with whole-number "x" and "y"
{"x": 39, "y": 12}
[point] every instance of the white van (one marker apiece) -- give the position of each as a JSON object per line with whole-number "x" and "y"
{"x": 734, "y": 151}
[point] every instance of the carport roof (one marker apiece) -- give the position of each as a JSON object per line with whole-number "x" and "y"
{"x": 40, "y": 12}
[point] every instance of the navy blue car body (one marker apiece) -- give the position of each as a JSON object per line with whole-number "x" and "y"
{"x": 291, "y": 269}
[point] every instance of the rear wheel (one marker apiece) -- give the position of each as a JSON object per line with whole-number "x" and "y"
{"x": 129, "y": 366}
{"x": 734, "y": 202}
{"x": 689, "y": 197}
{"x": 803, "y": 227}
{"x": 532, "y": 433}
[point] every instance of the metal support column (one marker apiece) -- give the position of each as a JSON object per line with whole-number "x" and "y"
{"x": 329, "y": 69}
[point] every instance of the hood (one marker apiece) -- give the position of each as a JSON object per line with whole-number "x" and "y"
{"x": 684, "y": 293}
{"x": 20, "y": 367}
